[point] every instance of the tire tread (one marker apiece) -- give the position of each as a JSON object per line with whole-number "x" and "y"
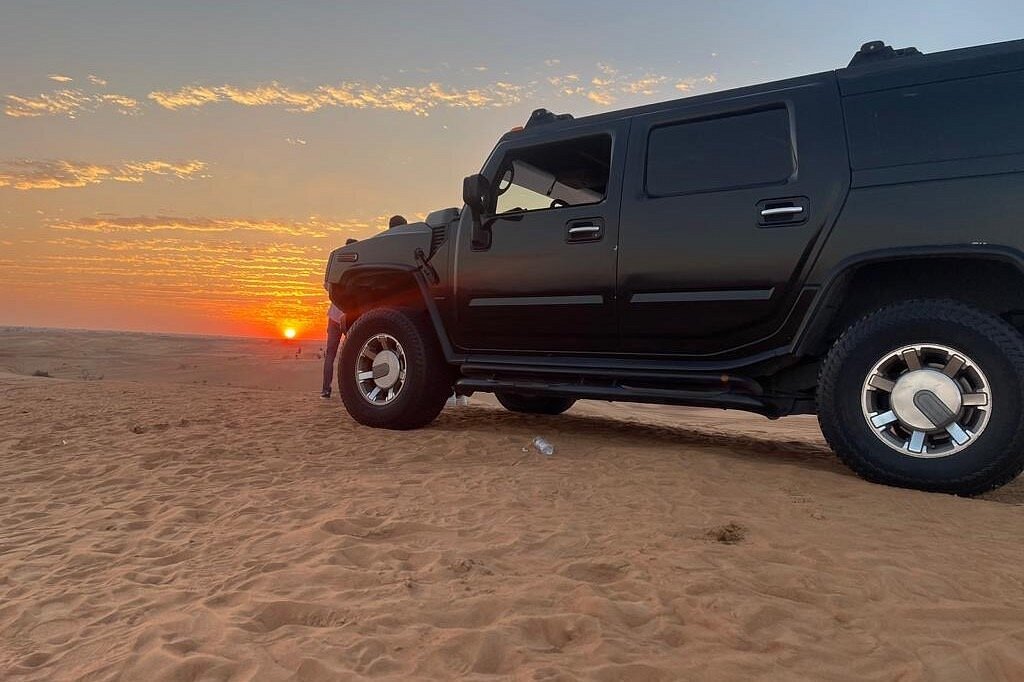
{"x": 423, "y": 357}
{"x": 1001, "y": 471}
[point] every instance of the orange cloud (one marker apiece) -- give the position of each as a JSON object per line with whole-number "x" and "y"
{"x": 688, "y": 84}
{"x": 251, "y": 275}
{"x": 55, "y": 174}
{"x": 253, "y": 287}
{"x": 609, "y": 84}
{"x": 313, "y": 227}
{"x": 66, "y": 102}
{"x": 419, "y": 100}
{"x": 243, "y": 275}
{"x": 604, "y": 88}
{"x": 645, "y": 85}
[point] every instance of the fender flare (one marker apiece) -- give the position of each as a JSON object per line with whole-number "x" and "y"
{"x": 424, "y": 290}
{"x": 826, "y": 303}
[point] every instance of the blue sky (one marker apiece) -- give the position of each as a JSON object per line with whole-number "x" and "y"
{"x": 312, "y": 120}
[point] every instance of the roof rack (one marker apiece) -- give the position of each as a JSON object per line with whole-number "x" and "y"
{"x": 877, "y": 51}
{"x": 542, "y": 116}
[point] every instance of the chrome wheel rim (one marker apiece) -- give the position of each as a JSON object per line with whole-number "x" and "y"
{"x": 380, "y": 369}
{"x": 926, "y": 400}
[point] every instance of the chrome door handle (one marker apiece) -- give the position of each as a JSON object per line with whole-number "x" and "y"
{"x": 782, "y": 210}
{"x": 583, "y": 229}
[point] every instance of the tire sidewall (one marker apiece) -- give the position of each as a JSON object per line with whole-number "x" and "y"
{"x": 422, "y": 390}
{"x": 870, "y": 344}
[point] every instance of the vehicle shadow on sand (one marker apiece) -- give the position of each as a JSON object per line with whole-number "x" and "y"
{"x": 640, "y": 434}
{"x": 782, "y": 450}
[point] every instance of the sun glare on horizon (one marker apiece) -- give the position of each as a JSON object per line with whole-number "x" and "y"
{"x": 289, "y": 333}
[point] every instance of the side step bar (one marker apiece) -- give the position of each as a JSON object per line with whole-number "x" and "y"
{"x": 623, "y": 393}
{"x": 568, "y": 374}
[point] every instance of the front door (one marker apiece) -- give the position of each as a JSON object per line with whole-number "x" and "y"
{"x": 723, "y": 203}
{"x": 546, "y": 280}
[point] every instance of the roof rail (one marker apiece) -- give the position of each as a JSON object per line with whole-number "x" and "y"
{"x": 877, "y": 51}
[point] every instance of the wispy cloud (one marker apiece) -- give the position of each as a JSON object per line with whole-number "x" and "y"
{"x": 259, "y": 273}
{"x": 258, "y": 284}
{"x": 313, "y": 227}
{"x": 688, "y": 84}
{"x": 25, "y": 174}
{"x": 68, "y": 102}
{"x": 605, "y": 85}
{"x": 567, "y": 85}
{"x": 59, "y": 78}
{"x": 648, "y": 84}
{"x": 416, "y": 99}
{"x": 610, "y": 84}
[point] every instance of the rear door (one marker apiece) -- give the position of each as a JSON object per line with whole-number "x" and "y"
{"x": 722, "y": 205}
{"x": 546, "y": 281}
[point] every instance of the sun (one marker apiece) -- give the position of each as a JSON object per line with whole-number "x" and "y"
{"x": 289, "y": 333}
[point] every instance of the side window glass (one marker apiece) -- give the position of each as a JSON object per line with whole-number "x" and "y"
{"x": 568, "y": 173}
{"x": 728, "y": 152}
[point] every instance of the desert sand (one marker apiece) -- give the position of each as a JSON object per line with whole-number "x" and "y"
{"x": 184, "y": 508}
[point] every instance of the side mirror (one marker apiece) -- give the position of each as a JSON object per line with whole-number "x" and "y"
{"x": 476, "y": 192}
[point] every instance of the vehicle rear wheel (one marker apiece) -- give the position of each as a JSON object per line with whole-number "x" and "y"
{"x": 927, "y": 394}
{"x": 392, "y": 374}
{"x": 534, "y": 404}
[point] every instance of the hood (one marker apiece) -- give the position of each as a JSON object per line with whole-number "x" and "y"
{"x": 393, "y": 247}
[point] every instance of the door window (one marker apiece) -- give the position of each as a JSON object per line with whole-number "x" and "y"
{"x": 567, "y": 173}
{"x": 728, "y": 152}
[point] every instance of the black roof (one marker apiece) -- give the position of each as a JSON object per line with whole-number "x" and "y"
{"x": 907, "y": 66}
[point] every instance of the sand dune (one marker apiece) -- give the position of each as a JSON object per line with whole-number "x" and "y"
{"x": 156, "y": 527}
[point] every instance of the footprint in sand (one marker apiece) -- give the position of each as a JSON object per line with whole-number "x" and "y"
{"x": 279, "y": 614}
{"x": 355, "y": 526}
{"x": 35, "y": 660}
{"x": 729, "y": 534}
{"x": 594, "y": 572}
{"x": 56, "y": 631}
{"x": 554, "y": 633}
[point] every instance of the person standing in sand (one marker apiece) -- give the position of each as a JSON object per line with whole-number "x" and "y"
{"x": 335, "y": 330}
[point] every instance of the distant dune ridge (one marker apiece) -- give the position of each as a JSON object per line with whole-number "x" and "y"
{"x": 186, "y": 508}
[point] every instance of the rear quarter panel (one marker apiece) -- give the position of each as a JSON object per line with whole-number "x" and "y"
{"x": 936, "y": 154}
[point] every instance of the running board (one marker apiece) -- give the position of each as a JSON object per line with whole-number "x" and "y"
{"x": 622, "y": 393}
{"x": 700, "y": 382}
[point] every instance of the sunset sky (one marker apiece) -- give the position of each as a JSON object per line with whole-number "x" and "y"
{"x": 187, "y": 166}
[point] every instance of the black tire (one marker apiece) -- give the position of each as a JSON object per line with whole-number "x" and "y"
{"x": 534, "y": 404}
{"x": 997, "y": 454}
{"x": 427, "y": 379}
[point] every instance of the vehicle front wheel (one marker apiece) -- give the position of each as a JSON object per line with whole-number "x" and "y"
{"x": 392, "y": 374}
{"x": 534, "y": 404}
{"x": 927, "y": 394}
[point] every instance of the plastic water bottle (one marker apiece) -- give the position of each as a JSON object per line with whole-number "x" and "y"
{"x": 455, "y": 400}
{"x": 543, "y": 447}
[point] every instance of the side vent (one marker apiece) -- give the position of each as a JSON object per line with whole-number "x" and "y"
{"x": 437, "y": 236}
{"x": 438, "y": 221}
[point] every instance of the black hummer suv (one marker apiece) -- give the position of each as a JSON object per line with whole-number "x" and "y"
{"x": 849, "y": 244}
